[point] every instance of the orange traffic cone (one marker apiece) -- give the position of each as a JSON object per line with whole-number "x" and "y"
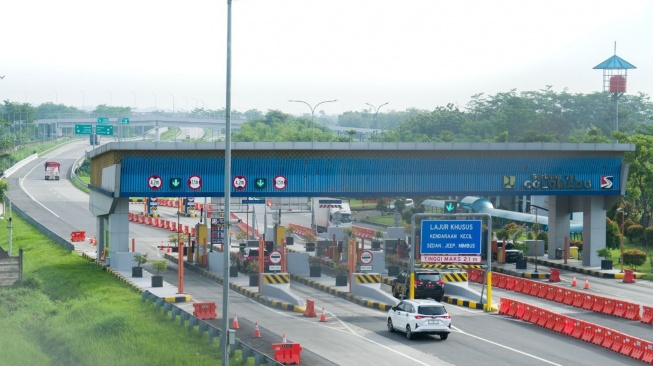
{"x": 234, "y": 325}
{"x": 168, "y": 250}
{"x": 573, "y": 282}
{"x": 283, "y": 338}
{"x": 323, "y": 316}
{"x": 257, "y": 332}
{"x": 587, "y": 284}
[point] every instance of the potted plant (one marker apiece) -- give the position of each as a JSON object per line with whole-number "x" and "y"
{"x": 341, "y": 271}
{"x": 376, "y": 242}
{"x": 139, "y": 259}
{"x": 309, "y": 241}
{"x": 290, "y": 237}
{"x": 252, "y": 271}
{"x": 159, "y": 266}
{"x": 235, "y": 260}
{"x": 315, "y": 266}
{"x": 606, "y": 254}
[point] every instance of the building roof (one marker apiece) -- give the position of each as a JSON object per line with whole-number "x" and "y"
{"x": 615, "y": 62}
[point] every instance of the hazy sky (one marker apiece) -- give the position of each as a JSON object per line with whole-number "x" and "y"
{"x": 411, "y": 53}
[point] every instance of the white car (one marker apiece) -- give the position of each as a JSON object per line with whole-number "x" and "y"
{"x": 416, "y": 316}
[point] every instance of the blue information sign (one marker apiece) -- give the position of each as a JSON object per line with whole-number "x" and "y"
{"x": 255, "y": 202}
{"x": 449, "y": 237}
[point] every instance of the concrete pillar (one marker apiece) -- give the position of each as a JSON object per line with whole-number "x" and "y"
{"x": 558, "y": 223}
{"x": 594, "y": 227}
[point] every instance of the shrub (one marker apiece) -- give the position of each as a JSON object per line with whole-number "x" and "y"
{"x": 635, "y": 233}
{"x": 309, "y": 237}
{"x": 160, "y": 266}
{"x": 648, "y": 234}
{"x": 634, "y": 258}
{"x": 605, "y": 253}
{"x": 545, "y": 238}
{"x": 235, "y": 258}
{"x": 612, "y": 234}
{"x": 252, "y": 267}
{"x": 314, "y": 261}
{"x": 140, "y": 259}
{"x": 340, "y": 268}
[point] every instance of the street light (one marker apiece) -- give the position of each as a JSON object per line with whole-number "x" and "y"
{"x": 620, "y": 209}
{"x": 376, "y": 112}
{"x": 313, "y": 112}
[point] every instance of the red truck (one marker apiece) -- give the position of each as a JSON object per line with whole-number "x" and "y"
{"x": 52, "y": 170}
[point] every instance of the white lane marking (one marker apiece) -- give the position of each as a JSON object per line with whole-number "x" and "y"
{"x": 32, "y": 197}
{"x": 506, "y": 347}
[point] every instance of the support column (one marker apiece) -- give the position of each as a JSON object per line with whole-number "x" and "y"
{"x": 594, "y": 227}
{"x": 558, "y": 223}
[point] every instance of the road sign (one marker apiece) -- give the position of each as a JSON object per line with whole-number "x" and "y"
{"x": 366, "y": 257}
{"x": 450, "y": 206}
{"x": 275, "y": 257}
{"x": 239, "y": 182}
{"x": 328, "y": 202}
{"x": 124, "y": 121}
{"x": 104, "y": 130}
{"x": 175, "y": 183}
{"x": 275, "y": 268}
{"x": 154, "y": 182}
{"x": 260, "y": 183}
{"x": 103, "y": 120}
{"x": 451, "y": 237}
{"x": 280, "y": 182}
{"x": 253, "y": 202}
{"x": 366, "y": 268}
{"x": 195, "y": 182}
{"x": 83, "y": 129}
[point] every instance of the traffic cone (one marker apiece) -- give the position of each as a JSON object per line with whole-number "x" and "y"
{"x": 257, "y": 332}
{"x": 283, "y": 338}
{"x": 587, "y": 284}
{"x": 168, "y": 250}
{"x": 573, "y": 282}
{"x": 234, "y": 325}
{"x": 323, "y": 316}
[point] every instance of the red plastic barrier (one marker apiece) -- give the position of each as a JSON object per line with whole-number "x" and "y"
{"x": 510, "y": 284}
{"x": 608, "y": 306}
{"x": 627, "y": 346}
{"x": 617, "y": 341}
{"x": 551, "y": 292}
{"x": 579, "y": 328}
{"x": 619, "y": 309}
{"x": 599, "y": 301}
{"x": 550, "y": 321}
{"x": 638, "y": 349}
{"x": 287, "y": 353}
{"x": 608, "y": 338}
{"x": 632, "y": 311}
{"x": 528, "y": 285}
{"x": 569, "y": 297}
{"x": 629, "y": 276}
{"x": 204, "y": 310}
{"x": 554, "y": 276}
{"x": 648, "y": 353}
{"x": 578, "y": 300}
{"x": 569, "y": 326}
{"x": 535, "y": 289}
{"x": 560, "y": 321}
{"x": 78, "y": 236}
{"x": 503, "y": 280}
{"x": 471, "y": 274}
{"x": 588, "y": 332}
{"x": 527, "y": 313}
{"x": 514, "y": 306}
{"x": 647, "y": 314}
{"x": 588, "y": 302}
{"x": 543, "y": 318}
{"x": 504, "y": 306}
{"x": 599, "y": 335}
{"x": 535, "y": 315}
{"x": 310, "y": 309}
{"x": 521, "y": 310}
{"x": 559, "y": 295}
{"x": 519, "y": 285}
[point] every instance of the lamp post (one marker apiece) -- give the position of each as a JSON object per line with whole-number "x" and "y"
{"x": 376, "y": 112}
{"x": 623, "y": 214}
{"x": 313, "y": 112}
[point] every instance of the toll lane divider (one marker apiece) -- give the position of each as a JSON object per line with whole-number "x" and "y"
{"x": 578, "y": 299}
{"x": 636, "y": 348}
{"x": 161, "y": 223}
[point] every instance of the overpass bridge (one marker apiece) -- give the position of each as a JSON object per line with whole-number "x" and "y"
{"x": 586, "y": 178}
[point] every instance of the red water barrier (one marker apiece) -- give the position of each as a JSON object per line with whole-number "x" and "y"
{"x": 560, "y": 321}
{"x": 627, "y": 346}
{"x": 578, "y": 300}
{"x": 638, "y": 349}
{"x": 503, "y": 281}
{"x": 510, "y": 284}
{"x": 287, "y": 353}
{"x": 599, "y": 301}
{"x": 588, "y": 302}
{"x": 550, "y": 321}
{"x": 608, "y": 338}
{"x": 632, "y": 311}
{"x": 617, "y": 341}
{"x": 504, "y": 306}
{"x": 599, "y": 335}
{"x": 608, "y": 306}
{"x": 619, "y": 309}
{"x": 535, "y": 289}
{"x": 204, "y": 310}
{"x": 647, "y": 315}
{"x": 472, "y": 273}
{"x": 648, "y": 353}
{"x": 519, "y": 285}
{"x": 535, "y": 315}
{"x": 514, "y": 307}
{"x": 568, "y": 327}
{"x": 521, "y": 310}
{"x": 559, "y": 295}
{"x": 569, "y": 297}
{"x": 528, "y": 285}
{"x": 579, "y": 328}
{"x": 78, "y": 236}
{"x": 551, "y": 292}
{"x": 588, "y": 332}
{"x": 543, "y": 318}
{"x": 554, "y": 276}
{"x": 527, "y": 313}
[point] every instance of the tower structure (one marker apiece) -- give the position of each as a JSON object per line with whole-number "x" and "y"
{"x": 615, "y": 77}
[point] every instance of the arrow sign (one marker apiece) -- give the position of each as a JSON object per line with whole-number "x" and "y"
{"x": 260, "y": 183}
{"x": 450, "y": 206}
{"x": 175, "y": 183}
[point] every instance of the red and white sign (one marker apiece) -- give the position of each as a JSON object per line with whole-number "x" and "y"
{"x": 275, "y": 257}
{"x": 239, "y": 182}
{"x": 280, "y": 182}
{"x": 195, "y": 182}
{"x": 431, "y": 258}
{"x": 365, "y": 257}
{"x": 154, "y": 182}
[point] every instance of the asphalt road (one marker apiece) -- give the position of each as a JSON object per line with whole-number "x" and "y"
{"x": 353, "y": 334}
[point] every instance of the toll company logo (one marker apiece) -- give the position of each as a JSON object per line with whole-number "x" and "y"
{"x": 606, "y": 181}
{"x": 508, "y": 182}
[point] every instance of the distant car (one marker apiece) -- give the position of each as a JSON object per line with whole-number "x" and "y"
{"x": 428, "y": 284}
{"x": 188, "y": 137}
{"x": 252, "y": 255}
{"x": 422, "y": 316}
{"x": 408, "y": 203}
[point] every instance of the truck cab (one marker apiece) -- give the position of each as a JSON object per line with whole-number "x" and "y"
{"x": 52, "y": 170}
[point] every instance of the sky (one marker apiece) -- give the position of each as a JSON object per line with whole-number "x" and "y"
{"x": 410, "y": 54}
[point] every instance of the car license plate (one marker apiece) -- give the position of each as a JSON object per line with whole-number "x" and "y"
{"x": 434, "y": 321}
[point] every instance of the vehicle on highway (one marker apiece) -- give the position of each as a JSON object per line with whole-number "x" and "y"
{"x": 420, "y": 316}
{"x": 52, "y": 170}
{"x": 252, "y": 255}
{"x": 408, "y": 203}
{"x": 428, "y": 284}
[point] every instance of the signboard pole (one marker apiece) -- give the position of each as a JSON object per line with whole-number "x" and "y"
{"x": 488, "y": 272}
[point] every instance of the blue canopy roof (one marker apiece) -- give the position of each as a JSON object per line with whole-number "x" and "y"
{"x": 615, "y": 62}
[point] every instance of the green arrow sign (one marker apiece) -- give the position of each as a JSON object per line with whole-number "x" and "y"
{"x": 175, "y": 183}
{"x": 103, "y": 120}
{"x": 104, "y": 130}
{"x": 83, "y": 129}
{"x": 450, "y": 206}
{"x": 259, "y": 183}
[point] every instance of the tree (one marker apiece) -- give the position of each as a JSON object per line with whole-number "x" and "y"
{"x": 639, "y": 189}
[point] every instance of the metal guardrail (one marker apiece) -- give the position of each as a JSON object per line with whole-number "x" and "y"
{"x": 194, "y": 323}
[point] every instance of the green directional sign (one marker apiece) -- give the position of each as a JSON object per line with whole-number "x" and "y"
{"x": 450, "y": 206}
{"x": 83, "y": 129}
{"x": 124, "y": 121}
{"x": 104, "y": 130}
{"x": 103, "y": 120}
{"x": 175, "y": 183}
{"x": 259, "y": 183}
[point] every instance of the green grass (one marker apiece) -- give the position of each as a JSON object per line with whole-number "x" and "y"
{"x": 75, "y": 313}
